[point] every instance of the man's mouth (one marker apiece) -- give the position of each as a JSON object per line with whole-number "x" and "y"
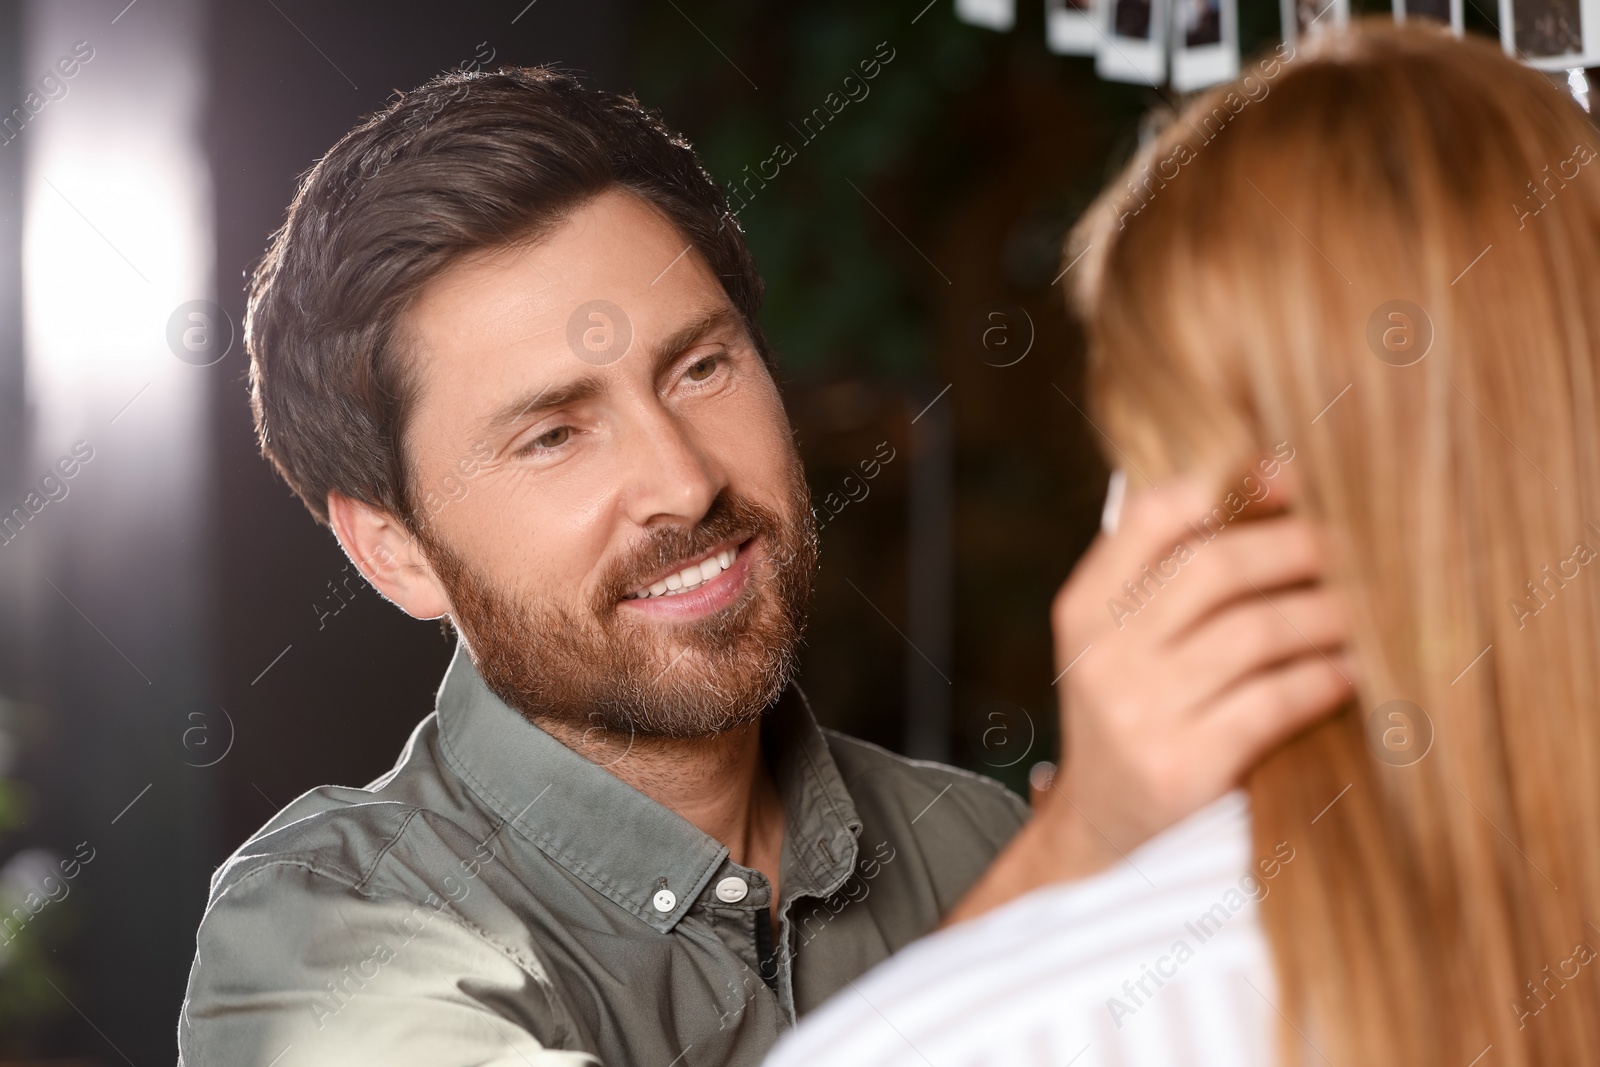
{"x": 687, "y": 577}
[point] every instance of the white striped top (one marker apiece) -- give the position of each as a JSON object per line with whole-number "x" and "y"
{"x": 1160, "y": 960}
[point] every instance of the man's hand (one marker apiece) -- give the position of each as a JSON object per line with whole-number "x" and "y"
{"x": 1183, "y": 661}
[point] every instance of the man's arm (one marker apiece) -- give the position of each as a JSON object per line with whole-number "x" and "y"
{"x": 1183, "y": 661}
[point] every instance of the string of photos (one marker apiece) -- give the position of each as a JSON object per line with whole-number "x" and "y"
{"x": 1195, "y": 43}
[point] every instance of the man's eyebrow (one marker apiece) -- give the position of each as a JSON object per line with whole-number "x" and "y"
{"x": 542, "y": 399}
{"x": 709, "y": 321}
{"x": 589, "y": 386}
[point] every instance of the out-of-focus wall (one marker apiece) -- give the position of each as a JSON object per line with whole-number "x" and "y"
{"x": 106, "y": 519}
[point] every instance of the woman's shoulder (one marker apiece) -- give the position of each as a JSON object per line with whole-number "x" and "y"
{"x": 1152, "y": 953}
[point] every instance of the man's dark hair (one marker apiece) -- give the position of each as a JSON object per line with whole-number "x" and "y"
{"x": 466, "y": 162}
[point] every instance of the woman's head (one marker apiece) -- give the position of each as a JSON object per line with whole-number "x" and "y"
{"x": 1380, "y": 250}
{"x": 1249, "y": 243}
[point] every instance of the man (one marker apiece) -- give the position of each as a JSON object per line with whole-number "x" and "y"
{"x": 506, "y": 347}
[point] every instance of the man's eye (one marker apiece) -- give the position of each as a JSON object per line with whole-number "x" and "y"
{"x": 705, "y": 368}
{"x": 550, "y": 439}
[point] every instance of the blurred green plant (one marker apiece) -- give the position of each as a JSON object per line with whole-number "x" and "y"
{"x": 845, "y": 291}
{"x": 28, "y": 964}
{"x": 13, "y": 804}
{"x": 28, "y": 1004}
{"x": 740, "y": 79}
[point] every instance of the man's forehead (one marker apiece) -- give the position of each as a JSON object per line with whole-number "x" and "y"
{"x": 615, "y": 276}
{"x": 614, "y": 247}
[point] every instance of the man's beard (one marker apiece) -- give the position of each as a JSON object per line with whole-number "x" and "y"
{"x": 618, "y": 678}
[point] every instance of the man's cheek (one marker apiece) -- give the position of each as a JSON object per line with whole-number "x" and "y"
{"x": 756, "y": 447}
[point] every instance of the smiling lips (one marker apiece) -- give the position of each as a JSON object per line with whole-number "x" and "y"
{"x": 689, "y": 578}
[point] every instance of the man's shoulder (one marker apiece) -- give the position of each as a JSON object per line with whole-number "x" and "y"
{"x": 329, "y": 832}
{"x": 918, "y": 791}
{"x": 347, "y": 886}
{"x": 343, "y": 833}
{"x": 290, "y": 945}
{"x": 337, "y": 852}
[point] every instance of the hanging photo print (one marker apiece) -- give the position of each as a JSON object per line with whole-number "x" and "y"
{"x": 1205, "y": 43}
{"x": 1446, "y": 11}
{"x": 1135, "y": 49}
{"x": 990, "y": 14}
{"x": 1301, "y": 18}
{"x": 1074, "y": 27}
{"x": 1551, "y": 34}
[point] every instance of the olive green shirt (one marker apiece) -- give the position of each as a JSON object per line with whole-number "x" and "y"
{"x": 498, "y": 899}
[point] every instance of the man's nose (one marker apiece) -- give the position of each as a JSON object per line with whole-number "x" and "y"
{"x": 672, "y": 472}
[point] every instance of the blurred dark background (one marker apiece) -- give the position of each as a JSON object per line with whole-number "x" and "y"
{"x": 179, "y": 656}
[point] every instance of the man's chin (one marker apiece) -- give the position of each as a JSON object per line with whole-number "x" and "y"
{"x": 695, "y": 704}
{"x": 646, "y": 678}
{"x": 704, "y": 686}
{"x": 697, "y": 664}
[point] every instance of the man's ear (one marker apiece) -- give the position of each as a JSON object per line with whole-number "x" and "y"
{"x": 388, "y": 556}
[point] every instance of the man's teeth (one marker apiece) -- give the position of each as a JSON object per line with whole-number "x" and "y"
{"x": 691, "y": 577}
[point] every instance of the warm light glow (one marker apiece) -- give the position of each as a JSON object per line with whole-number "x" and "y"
{"x": 116, "y": 231}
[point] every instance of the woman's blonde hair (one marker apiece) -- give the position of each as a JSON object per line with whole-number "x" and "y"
{"x": 1385, "y": 250}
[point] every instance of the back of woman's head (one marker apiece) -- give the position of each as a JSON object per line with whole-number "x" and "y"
{"x": 1383, "y": 252}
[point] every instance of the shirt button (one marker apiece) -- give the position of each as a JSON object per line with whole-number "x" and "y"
{"x": 731, "y": 890}
{"x": 665, "y": 900}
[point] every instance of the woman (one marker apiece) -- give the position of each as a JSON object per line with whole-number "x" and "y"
{"x": 1383, "y": 252}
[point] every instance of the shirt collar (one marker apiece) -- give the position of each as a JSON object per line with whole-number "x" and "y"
{"x": 572, "y": 809}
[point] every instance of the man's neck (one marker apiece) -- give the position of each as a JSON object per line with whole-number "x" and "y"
{"x": 719, "y": 784}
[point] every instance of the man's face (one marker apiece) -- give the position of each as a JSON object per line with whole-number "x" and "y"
{"x": 605, "y": 480}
